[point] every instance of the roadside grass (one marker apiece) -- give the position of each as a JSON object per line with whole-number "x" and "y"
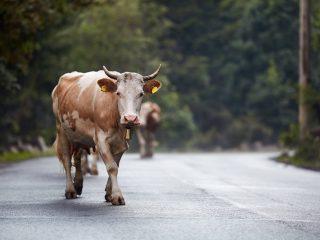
{"x": 295, "y": 160}
{"x": 12, "y": 157}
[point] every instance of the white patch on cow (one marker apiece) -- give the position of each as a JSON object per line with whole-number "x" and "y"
{"x": 88, "y": 78}
{"x": 94, "y": 97}
{"x": 53, "y": 91}
{"x": 75, "y": 115}
{"x": 101, "y": 137}
{"x": 55, "y": 105}
{"x": 71, "y": 75}
{"x": 54, "y": 101}
{"x": 65, "y": 119}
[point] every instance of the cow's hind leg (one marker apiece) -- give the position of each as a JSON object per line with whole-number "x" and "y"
{"x": 84, "y": 164}
{"x": 149, "y": 144}
{"x": 94, "y": 166}
{"x": 142, "y": 143}
{"x": 63, "y": 148}
{"x": 78, "y": 179}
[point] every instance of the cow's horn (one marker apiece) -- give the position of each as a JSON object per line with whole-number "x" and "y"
{"x": 110, "y": 74}
{"x": 153, "y": 75}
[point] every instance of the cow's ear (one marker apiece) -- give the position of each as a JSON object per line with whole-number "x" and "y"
{"x": 151, "y": 86}
{"x": 107, "y": 85}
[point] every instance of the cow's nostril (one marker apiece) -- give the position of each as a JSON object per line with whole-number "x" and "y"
{"x": 130, "y": 118}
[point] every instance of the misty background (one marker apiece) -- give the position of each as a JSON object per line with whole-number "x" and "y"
{"x": 229, "y": 67}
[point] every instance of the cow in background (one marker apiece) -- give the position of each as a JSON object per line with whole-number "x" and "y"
{"x": 95, "y": 110}
{"x": 149, "y": 123}
{"x": 87, "y": 166}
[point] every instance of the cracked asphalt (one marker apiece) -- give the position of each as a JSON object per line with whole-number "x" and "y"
{"x": 173, "y": 196}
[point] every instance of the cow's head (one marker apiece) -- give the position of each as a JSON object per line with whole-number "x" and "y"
{"x": 130, "y": 88}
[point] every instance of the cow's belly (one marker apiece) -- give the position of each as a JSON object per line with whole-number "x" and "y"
{"x": 79, "y": 138}
{"x": 79, "y": 131}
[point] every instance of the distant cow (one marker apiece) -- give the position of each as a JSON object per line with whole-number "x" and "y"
{"x": 86, "y": 166}
{"x": 93, "y": 110}
{"x": 149, "y": 123}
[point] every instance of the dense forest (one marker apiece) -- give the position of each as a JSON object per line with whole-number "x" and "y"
{"x": 230, "y": 67}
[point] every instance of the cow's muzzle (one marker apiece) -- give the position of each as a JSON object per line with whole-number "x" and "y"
{"x": 131, "y": 120}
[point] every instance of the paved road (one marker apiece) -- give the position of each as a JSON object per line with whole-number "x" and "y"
{"x": 174, "y": 196}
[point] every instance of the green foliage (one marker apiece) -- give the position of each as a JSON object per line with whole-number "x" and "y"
{"x": 290, "y": 138}
{"x": 229, "y": 66}
{"x": 177, "y": 125}
{"x": 125, "y": 37}
{"x": 306, "y": 153}
{"x": 24, "y": 26}
{"x": 11, "y": 157}
{"x": 239, "y": 67}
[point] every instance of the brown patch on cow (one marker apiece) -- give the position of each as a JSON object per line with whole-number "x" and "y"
{"x": 76, "y": 147}
{"x": 71, "y": 121}
{"x": 153, "y": 118}
{"x": 152, "y": 122}
{"x": 106, "y": 114}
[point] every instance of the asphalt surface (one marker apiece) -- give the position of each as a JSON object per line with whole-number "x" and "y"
{"x": 173, "y": 196}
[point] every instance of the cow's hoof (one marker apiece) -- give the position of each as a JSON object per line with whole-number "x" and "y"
{"x": 118, "y": 200}
{"x": 115, "y": 199}
{"x": 108, "y": 197}
{"x": 70, "y": 195}
{"x": 78, "y": 189}
{"x": 94, "y": 172}
{"x": 146, "y": 156}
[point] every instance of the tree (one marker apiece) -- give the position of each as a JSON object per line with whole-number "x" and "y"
{"x": 304, "y": 67}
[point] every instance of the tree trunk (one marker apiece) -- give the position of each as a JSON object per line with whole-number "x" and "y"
{"x": 304, "y": 67}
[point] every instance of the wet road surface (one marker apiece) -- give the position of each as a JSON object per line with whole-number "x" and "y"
{"x": 173, "y": 196}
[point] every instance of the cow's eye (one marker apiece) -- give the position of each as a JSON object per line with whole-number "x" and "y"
{"x": 118, "y": 94}
{"x": 140, "y": 94}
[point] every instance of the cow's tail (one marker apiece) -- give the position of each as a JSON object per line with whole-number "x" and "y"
{"x": 55, "y": 147}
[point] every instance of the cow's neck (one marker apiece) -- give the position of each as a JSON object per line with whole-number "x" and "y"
{"x": 106, "y": 111}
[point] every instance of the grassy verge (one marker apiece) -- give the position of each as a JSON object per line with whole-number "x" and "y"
{"x": 312, "y": 164}
{"x": 12, "y": 157}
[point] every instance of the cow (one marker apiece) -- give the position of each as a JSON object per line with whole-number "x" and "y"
{"x": 95, "y": 110}
{"x": 149, "y": 123}
{"x": 86, "y": 166}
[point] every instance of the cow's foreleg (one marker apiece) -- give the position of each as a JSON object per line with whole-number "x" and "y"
{"x": 64, "y": 154}
{"x": 108, "y": 195}
{"x": 78, "y": 179}
{"x": 84, "y": 164}
{"x": 112, "y": 169}
{"x": 115, "y": 197}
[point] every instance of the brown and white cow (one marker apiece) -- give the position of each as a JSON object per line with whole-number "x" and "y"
{"x": 149, "y": 123}
{"x": 93, "y": 110}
